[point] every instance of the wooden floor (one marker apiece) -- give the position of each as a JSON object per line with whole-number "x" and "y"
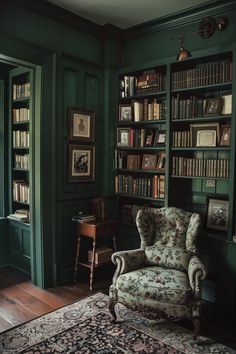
{"x": 21, "y": 301}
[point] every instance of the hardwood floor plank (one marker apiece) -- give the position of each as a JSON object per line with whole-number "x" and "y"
{"x": 4, "y": 325}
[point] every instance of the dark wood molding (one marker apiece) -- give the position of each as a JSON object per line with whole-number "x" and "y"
{"x": 175, "y": 20}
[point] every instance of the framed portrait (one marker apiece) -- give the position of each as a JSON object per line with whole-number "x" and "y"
{"x": 161, "y": 160}
{"x": 225, "y": 135}
{"x": 149, "y": 162}
{"x": 213, "y": 106}
{"x": 205, "y": 135}
{"x": 81, "y": 125}
{"x": 160, "y": 138}
{"x": 123, "y": 136}
{"x": 81, "y": 163}
{"x": 149, "y": 137}
{"x": 217, "y": 214}
{"x": 125, "y": 112}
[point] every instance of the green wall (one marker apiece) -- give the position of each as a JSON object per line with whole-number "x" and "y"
{"x": 78, "y": 61}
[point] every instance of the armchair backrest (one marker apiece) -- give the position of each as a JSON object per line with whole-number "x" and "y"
{"x": 168, "y": 226}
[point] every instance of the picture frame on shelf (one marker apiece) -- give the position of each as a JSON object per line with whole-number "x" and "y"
{"x": 125, "y": 113}
{"x": 149, "y": 137}
{"x": 149, "y": 161}
{"x": 227, "y": 104}
{"x": 81, "y": 125}
{"x": 123, "y": 136}
{"x": 225, "y": 135}
{"x": 161, "y": 162}
{"x": 81, "y": 163}
{"x": 213, "y": 106}
{"x": 160, "y": 137}
{"x": 205, "y": 135}
{"x": 217, "y": 214}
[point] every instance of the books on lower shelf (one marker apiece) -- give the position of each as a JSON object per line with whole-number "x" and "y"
{"x": 102, "y": 254}
{"x": 20, "y": 215}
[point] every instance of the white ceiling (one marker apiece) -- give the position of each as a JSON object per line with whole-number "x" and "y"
{"x": 125, "y": 13}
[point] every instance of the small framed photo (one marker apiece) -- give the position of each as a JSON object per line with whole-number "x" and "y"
{"x": 149, "y": 137}
{"x": 123, "y": 136}
{"x": 213, "y": 106}
{"x": 225, "y": 135}
{"x": 217, "y": 214}
{"x": 125, "y": 112}
{"x": 81, "y": 125}
{"x": 161, "y": 160}
{"x": 160, "y": 138}
{"x": 205, "y": 135}
{"x": 149, "y": 162}
{"x": 81, "y": 163}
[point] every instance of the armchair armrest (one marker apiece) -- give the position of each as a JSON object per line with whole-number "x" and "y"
{"x": 127, "y": 261}
{"x": 196, "y": 273}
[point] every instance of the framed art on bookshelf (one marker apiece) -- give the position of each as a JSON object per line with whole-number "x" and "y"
{"x": 225, "y": 135}
{"x": 81, "y": 125}
{"x": 161, "y": 160}
{"x": 81, "y": 163}
{"x": 149, "y": 162}
{"x": 160, "y": 138}
{"x": 205, "y": 135}
{"x": 217, "y": 214}
{"x": 125, "y": 112}
{"x": 213, "y": 106}
{"x": 123, "y": 136}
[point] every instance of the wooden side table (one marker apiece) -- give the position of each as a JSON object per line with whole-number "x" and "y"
{"x": 93, "y": 230}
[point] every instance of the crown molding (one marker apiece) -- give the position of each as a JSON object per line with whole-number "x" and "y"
{"x": 180, "y": 18}
{"x": 57, "y": 13}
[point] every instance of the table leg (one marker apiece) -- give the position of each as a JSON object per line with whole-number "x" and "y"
{"x": 92, "y": 265}
{"x": 77, "y": 259}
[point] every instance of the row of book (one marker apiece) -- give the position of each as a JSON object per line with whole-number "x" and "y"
{"x": 22, "y": 215}
{"x": 132, "y": 85}
{"x": 21, "y": 91}
{"x": 21, "y": 191}
{"x": 21, "y": 161}
{"x": 182, "y": 138}
{"x": 144, "y": 137}
{"x": 216, "y": 72}
{"x": 151, "y": 187}
{"x": 212, "y": 168}
{"x": 193, "y": 106}
{"x": 139, "y": 161}
{"x": 21, "y": 138}
{"x": 144, "y": 110}
{"x": 20, "y": 115}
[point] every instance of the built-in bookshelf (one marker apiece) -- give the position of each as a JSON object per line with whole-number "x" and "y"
{"x": 20, "y": 122}
{"x": 140, "y": 154}
{"x": 174, "y": 139}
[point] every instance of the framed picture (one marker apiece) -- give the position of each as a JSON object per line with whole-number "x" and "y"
{"x": 213, "y": 106}
{"x": 161, "y": 160}
{"x": 217, "y": 214}
{"x": 125, "y": 112}
{"x": 149, "y": 161}
{"x": 81, "y": 163}
{"x": 160, "y": 138}
{"x": 81, "y": 125}
{"x": 123, "y": 136}
{"x": 205, "y": 135}
{"x": 225, "y": 135}
{"x": 149, "y": 137}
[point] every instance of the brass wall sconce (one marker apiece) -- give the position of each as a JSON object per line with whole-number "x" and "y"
{"x": 206, "y": 29}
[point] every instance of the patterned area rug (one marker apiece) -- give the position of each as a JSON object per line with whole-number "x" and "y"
{"x": 85, "y": 327}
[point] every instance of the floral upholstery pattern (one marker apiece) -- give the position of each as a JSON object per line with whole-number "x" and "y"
{"x": 164, "y": 276}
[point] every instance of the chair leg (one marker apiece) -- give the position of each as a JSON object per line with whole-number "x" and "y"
{"x": 196, "y": 326}
{"x": 112, "y": 305}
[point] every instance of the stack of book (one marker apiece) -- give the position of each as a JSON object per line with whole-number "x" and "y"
{"x": 84, "y": 217}
{"x": 20, "y": 215}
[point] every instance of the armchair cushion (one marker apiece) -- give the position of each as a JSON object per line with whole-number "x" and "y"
{"x": 156, "y": 283}
{"x": 169, "y": 257}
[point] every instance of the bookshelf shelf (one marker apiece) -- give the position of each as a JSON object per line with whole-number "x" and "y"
{"x": 127, "y": 171}
{"x": 215, "y": 148}
{"x": 143, "y": 122}
{"x": 221, "y": 86}
{"x": 141, "y": 148}
{"x": 131, "y": 196}
{"x": 201, "y": 177}
{"x": 202, "y": 119}
{"x": 25, "y": 122}
{"x": 151, "y": 94}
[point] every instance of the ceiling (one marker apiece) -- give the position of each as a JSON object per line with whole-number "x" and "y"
{"x": 126, "y": 13}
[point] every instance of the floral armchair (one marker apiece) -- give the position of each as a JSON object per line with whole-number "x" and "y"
{"x": 161, "y": 279}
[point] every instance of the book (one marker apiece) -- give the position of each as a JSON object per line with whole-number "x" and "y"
{"x": 227, "y": 104}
